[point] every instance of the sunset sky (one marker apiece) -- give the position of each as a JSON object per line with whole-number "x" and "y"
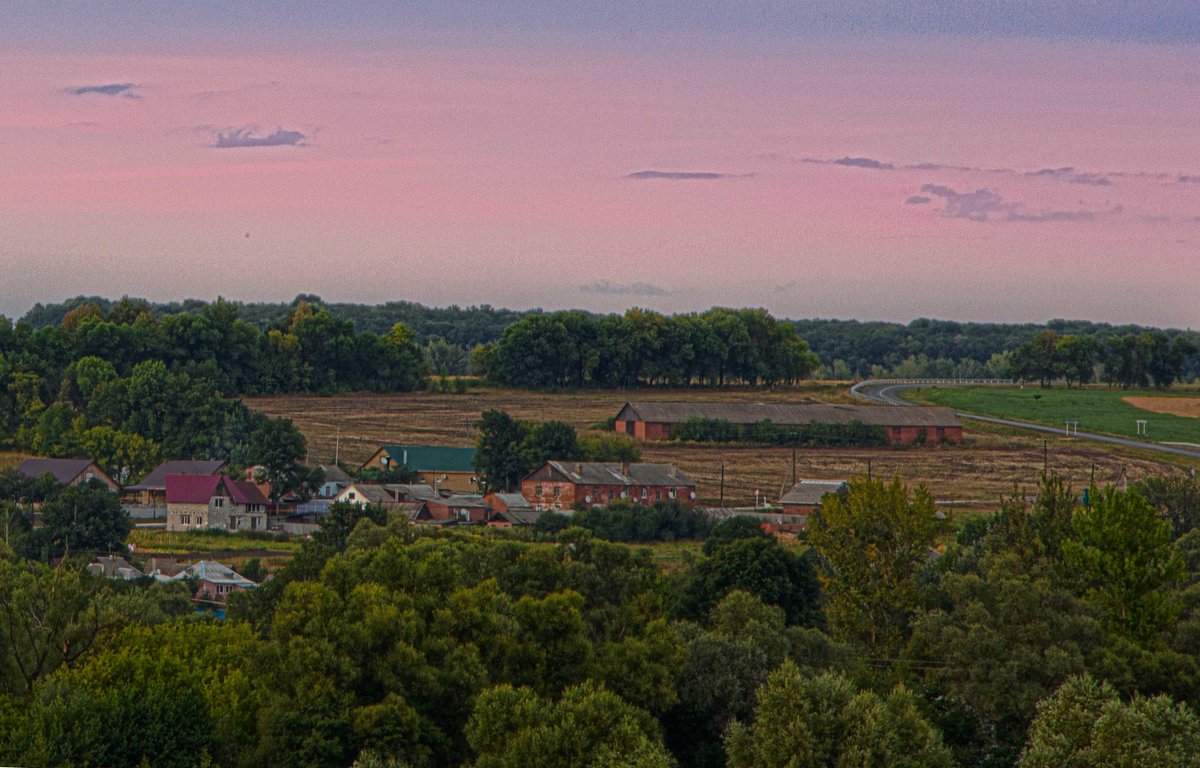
{"x": 963, "y": 159}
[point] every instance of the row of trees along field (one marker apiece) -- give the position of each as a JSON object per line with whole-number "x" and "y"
{"x": 453, "y": 340}
{"x": 719, "y": 347}
{"x": 1052, "y": 633}
{"x": 1149, "y": 358}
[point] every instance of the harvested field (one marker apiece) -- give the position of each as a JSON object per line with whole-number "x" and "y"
{"x": 1188, "y": 407}
{"x": 989, "y": 464}
{"x": 10, "y": 460}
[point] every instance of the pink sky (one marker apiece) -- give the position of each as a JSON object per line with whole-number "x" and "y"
{"x": 495, "y": 175}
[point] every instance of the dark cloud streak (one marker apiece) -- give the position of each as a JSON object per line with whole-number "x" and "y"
{"x": 244, "y": 137}
{"x": 124, "y": 90}
{"x": 623, "y": 289}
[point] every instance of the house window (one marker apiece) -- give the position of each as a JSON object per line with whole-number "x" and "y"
{"x": 645, "y": 493}
{"x": 350, "y": 496}
{"x": 218, "y": 502}
{"x": 254, "y": 523}
{"x": 537, "y": 490}
{"x": 557, "y": 491}
{"x": 186, "y": 519}
{"x": 658, "y": 495}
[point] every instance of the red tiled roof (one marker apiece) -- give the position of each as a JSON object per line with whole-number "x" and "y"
{"x": 157, "y": 479}
{"x": 192, "y": 489}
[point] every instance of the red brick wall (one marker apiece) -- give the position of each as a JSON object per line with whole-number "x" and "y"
{"x": 910, "y": 435}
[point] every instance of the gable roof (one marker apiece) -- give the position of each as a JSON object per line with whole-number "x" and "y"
{"x": 791, "y": 413}
{"x": 412, "y": 491}
{"x": 245, "y": 492}
{"x": 372, "y": 494}
{"x": 612, "y": 473}
{"x": 432, "y": 458}
{"x": 513, "y": 501}
{"x": 192, "y": 489}
{"x": 215, "y": 573}
{"x": 810, "y": 492}
{"x": 526, "y": 516}
{"x": 157, "y": 479}
{"x": 63, "y": 470}
{"x": 335, "y": 474}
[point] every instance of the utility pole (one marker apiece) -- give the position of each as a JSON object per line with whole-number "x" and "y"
{"x": 722, "y": 485}
{"x": 1045, "y": 456}
{"x": 868, "y": 469}
{"x": 793, "y": 466}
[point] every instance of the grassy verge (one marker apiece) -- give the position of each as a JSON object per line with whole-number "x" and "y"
{"x": 181, "y": 542}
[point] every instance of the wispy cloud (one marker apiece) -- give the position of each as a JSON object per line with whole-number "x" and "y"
{"x": 245, "y": 137}
{"x": 917, "y": 200}
{"x": 864, "y": 162}
{"x": 1189, "y": 179}
{"x": 623, "y": 289}
{"x": 1073, "y": 176}
{"x": 684, "y": 175}
{"x": 123, "y": 90}
{"x": 985, "y": 205}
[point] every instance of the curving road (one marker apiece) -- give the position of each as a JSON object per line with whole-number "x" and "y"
{"x": 888, "y": 392}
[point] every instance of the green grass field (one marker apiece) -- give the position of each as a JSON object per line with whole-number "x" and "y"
{"x": 1096, "y": 410}
{"x": 172, "y": 542}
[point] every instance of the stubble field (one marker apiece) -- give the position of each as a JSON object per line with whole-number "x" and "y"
{"x": 989, "y": 464}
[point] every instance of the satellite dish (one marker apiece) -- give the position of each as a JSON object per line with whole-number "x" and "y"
{"x": 693, "y": 495}
{"x": 587, "y": 499}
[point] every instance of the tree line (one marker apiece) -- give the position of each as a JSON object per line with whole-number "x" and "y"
{"x": 1058, "y": 631}
{"x": 1149, "y": 358}
{"x": 720, "y": 347}
{"x": 128, "y": 388}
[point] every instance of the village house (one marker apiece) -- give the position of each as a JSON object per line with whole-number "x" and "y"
{"x": 461, "y": 508}
{"x": 365, "y": 494}
{"x": 335, "y": 480}
{"x": 214, "y": 501}
{"x": 114, "y": 567}
{"x": 442, "y": 467}
{"x": 505, "y": 510}
{"x": 152, "y": 489}
{"x": 559, "y": 485}
{"x": 216, "y": 580}
{"x": 66, "y": 471}
{"x": 804, "y": 498}
{"x": 902, "y": 425}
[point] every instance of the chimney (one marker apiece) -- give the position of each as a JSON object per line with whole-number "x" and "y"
{"x": 674, "y": 472}
{"x": 578, "y": 468}
{"x": 625, "y": 468}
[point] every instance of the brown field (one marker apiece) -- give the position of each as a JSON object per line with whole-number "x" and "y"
{"x": 1174, "y": 406}
{"x": 976, "y": 474}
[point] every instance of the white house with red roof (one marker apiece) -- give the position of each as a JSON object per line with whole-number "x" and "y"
{"x": 214, "y": 501}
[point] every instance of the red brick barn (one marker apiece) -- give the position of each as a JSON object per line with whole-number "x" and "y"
{"x": 805, "y": 497}
{"x": 902, "y": 425}
{"x": 558, "y": 485}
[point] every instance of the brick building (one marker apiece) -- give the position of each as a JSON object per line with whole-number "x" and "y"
{"x": 558, "y": 485}
{"x": 903, "y": 425}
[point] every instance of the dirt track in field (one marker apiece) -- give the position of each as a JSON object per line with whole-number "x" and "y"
{"x": 1175, "y": 406}
{"x": 980, "y": 471}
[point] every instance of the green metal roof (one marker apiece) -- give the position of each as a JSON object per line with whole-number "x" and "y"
{"x": 432, "y": 458}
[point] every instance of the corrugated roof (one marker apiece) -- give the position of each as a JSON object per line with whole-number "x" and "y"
{"x": 612, "y": 473}
{"x": 513, "y": 500}
{"x": 62, "y": 470}
{"x": 157, "y": 479}
{"x": 412, "y": 491}
{"x": 526, "y": 516}
{"x": 795, "y": 413}
{"x": 372, "y": 494}
{"x": 215, "y": 573}
{"x": 810, "y": 492}
{"x": 432, "y": 458}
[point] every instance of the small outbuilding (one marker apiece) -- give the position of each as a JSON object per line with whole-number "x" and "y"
{"x": 66, "y": 471}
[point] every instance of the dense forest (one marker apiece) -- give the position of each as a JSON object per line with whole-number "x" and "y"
{"x": 846, "y": 348}
{"x": 1060, "y": 631}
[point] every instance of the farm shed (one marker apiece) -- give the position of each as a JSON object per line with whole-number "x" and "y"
{"x": 903, "y": 425}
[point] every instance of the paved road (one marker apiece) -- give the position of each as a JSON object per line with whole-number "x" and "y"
{"x": 889, "y": 392}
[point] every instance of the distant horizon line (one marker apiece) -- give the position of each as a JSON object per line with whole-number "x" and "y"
{"x": 314, "y": 298}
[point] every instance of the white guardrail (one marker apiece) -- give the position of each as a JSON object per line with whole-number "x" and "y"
{"x": 854, "y": 390}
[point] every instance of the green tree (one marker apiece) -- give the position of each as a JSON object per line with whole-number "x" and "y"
{"x": 279, "y": 447}
{"x": 589, "y": 727}
{"x": 499, "y": 458}
{"x": 1121, "y": 549}
{"x": 817, "y": 721}
{"x": 83, "y": 518}
{"x": 1086, "y": 725}
{"x": 871, "y": 545}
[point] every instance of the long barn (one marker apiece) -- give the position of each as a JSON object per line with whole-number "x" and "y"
{"x": 903, "y": 425}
